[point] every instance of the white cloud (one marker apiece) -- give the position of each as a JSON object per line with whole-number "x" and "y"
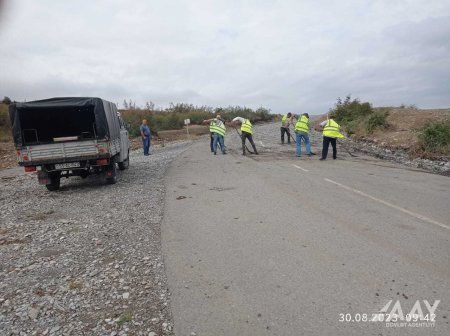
{"x": 284, "y": 55}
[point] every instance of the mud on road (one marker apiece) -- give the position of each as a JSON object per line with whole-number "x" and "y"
{"x": 85, "y": 259}
{"x": 268, "y": 143}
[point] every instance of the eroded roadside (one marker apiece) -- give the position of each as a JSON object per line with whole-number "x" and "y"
{"x": 401, "y": 156}
{"x": 86, "y": 259}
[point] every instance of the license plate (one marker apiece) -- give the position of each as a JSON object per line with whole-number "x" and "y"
{"x": 67, "y": 165}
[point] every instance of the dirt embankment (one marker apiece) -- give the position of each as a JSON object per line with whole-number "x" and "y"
{"x": 403, "y": 124}
{"x": 402, "y": 127}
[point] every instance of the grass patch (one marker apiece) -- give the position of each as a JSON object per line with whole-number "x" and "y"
{"x": 124, "y": 318}
{"x": 434, "y": 137}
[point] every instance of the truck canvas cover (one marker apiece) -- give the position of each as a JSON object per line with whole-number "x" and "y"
{"x": 42, "y": 121}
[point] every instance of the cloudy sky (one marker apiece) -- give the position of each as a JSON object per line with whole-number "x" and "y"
{"x": 286, "y": 55}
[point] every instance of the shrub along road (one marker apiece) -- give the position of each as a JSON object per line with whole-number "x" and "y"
{"x": 274, "y": 245}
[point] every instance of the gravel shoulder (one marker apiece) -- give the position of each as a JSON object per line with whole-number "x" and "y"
{"x": 85, "y": 260}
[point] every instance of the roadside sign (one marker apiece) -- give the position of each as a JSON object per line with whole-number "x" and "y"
{"x": 187, "y": 122}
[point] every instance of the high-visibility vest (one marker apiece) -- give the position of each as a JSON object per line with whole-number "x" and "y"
{"x": 247, "y": 126}
{"x": 332, "y": 130}
{"x": 302, "y": 125}
{"x": 283, "y": 119}
{"x": 215, "y": 128}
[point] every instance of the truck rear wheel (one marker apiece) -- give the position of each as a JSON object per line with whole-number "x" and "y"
{"x": 55, "y": 181}
{"x": 111, "y": 174}
{"x": 126, "y": 163}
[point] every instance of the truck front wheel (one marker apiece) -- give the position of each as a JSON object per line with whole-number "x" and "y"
{"x": 55, "y": 181}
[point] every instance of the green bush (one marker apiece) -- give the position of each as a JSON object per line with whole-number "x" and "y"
{"x": 197, "y": 117}
{"x": 351, "y": 126}
{"x": 356, "y": 116}
{"x": 4, "y": 117}
{"x": 376, "y": 120}
{"x": 172, "y": 122}
{"x": 264, "y": 114}
{"x": 435, "y": 137}
{"x": 349, "y": 110}
{"x": 5, "y": 128}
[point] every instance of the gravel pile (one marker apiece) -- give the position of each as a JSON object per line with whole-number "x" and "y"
{"x": 85, "y": 260}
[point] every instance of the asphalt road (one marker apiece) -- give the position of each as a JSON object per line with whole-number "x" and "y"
{"x": 276, "y": 245}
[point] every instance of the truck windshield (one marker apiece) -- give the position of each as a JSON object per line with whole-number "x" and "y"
{"x": 48, "y": 125}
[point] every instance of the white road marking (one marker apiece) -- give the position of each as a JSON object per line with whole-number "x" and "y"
{"x": 426, "y": 219}
{"x": 262, "y": 144}
{"x": 301, "y": 168}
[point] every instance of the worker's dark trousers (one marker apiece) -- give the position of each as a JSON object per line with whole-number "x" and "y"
{"x": 326, "y": 144}
{"x": 248, "y": 136}
{"x": 285, "y": 130}
{"x": 212, "y": 142}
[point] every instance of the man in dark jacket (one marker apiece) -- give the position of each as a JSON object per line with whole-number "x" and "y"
{"x": 146, "y": 137}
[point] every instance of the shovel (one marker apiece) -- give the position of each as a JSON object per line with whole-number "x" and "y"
{"x": 240, "y": 136}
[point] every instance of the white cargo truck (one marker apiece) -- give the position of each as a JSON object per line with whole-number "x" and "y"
{"x": 63, "y": 137}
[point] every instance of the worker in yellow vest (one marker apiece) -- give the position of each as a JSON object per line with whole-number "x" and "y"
{"x": 246, "y": 132}
{"x": 286, "y": 122}
{"x": 217, "y": 130}
{"x": 302, "y": 133}
{"x": 331, "y": 132}
{"x": 211, "y": 123}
